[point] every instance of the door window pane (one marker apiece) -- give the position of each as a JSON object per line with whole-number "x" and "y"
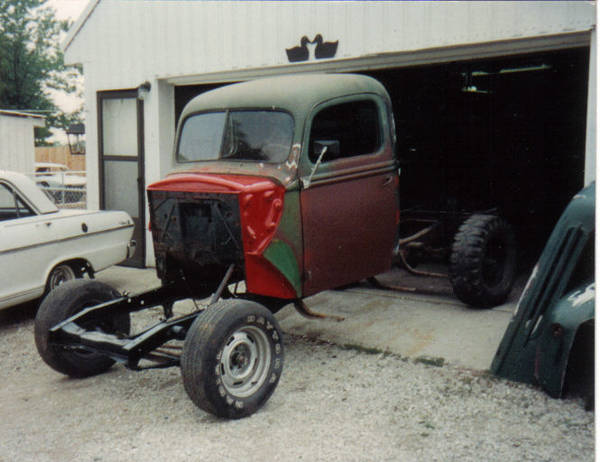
{"x": 120, "y": 186}
{"x": 119, "y": 127}
{"x": 355, "y": 126}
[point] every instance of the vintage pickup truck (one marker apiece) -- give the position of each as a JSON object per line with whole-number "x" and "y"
{"x": 288, "y": 185}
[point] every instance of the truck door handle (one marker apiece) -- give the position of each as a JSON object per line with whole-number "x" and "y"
{"x": 388, "y": 180}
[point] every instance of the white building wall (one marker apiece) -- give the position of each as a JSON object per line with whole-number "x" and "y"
{"x": 591, "y": 119}
{"x": 17, "y": 142}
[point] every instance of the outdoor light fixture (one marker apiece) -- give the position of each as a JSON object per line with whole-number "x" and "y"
{"x": 77, "y": 143}
{"x": 143, "y": 90}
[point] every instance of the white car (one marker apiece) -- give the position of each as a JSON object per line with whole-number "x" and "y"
{"x": 63, "y": 185}
{"x": 41, "y": 246}
{"x": 49, "y": 174}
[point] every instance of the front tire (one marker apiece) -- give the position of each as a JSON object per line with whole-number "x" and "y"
{"x": 66, "y": 300}
{"x": 483, "y": 261}
{"x": 232, "y": 358}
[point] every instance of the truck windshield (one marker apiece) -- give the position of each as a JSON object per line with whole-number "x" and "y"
{"x": 255, "y": 135}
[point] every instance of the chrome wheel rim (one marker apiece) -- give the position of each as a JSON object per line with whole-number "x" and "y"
{"x": 59, "y": 275}
{"x": 245, "y": 361}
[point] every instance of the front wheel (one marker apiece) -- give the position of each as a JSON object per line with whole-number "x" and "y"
{"x": 66, "y": 300}
{"x": 232, "y": 358}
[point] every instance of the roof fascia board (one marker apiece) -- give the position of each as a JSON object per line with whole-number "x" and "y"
{"x": 38, "y": 120}
{"x": 397, "y": 59}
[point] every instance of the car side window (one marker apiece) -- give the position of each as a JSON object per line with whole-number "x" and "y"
{"x": 11, "y": 206}
{"x": 347, "y": 129}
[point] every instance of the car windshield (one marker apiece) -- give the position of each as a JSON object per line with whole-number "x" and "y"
{"x": 256, "y": 135}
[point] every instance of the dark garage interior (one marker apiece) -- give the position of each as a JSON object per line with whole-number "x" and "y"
{"x": 505, "y": 134}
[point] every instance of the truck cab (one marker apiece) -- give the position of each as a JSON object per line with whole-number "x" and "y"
{"x": 293, "y": 179}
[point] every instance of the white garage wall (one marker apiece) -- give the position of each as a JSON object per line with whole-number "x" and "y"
{"x": 128, "y": 41}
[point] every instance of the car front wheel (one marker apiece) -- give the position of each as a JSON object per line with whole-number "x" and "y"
{"x": 232, "y": 358}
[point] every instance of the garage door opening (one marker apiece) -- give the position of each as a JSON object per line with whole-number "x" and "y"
{"x": 184, "y": 93}
{"x": 503, "y": 136}
{"x": 498, "y": 135}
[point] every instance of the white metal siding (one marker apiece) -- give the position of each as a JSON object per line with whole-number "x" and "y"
{"x": 17, "y": 151}
{"x": 127, "y": 41}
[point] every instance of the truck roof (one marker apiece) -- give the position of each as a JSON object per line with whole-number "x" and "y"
{"x": 297, "y": 93}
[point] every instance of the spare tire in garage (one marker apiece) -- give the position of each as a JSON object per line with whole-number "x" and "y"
{"x": 483, "y": 261}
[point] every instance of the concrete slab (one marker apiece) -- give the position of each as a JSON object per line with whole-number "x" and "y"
{"x": 410, "y": 324}
{"x": 126, "y": 279}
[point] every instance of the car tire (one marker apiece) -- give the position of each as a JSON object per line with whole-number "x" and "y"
{"x": 232, "y": 358}
{"x": 483, "y": 261}
{"x": 59, "y": 275}
{"x": 63, "y": 302}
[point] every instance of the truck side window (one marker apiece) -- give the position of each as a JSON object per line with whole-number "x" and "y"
{"x": 354, "y": 125}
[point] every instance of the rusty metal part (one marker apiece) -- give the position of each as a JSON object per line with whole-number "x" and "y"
{"x": 417, "y": 235}
{"x": 308, "y": 313}
{"x": 411, "y": 270}
{"x": 399, "y": 252}
{"x": 222, "y": 285}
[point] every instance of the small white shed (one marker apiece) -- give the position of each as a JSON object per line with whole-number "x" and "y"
{"x": 144, "y": 59}
{"x": 17, "y": 140}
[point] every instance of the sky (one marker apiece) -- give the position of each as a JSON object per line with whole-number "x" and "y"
{"x": 66, "y": 9}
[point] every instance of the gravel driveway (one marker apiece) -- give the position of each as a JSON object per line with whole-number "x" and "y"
{"x": 332, "y": 404}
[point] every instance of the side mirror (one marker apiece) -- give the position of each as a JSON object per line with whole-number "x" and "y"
{"x": 322, "y": 147}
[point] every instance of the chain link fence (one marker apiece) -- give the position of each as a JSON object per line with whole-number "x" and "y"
{"x": 67, "y": 198}
{"x": 67, "y": 189}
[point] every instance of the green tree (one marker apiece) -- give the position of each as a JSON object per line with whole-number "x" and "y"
{"x": 31, "y": 63}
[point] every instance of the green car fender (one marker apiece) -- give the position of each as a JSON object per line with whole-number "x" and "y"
{"x": 556, "y": 304}
{"x": 557, "y": 336}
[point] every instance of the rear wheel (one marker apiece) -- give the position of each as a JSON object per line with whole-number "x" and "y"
{"x": 483, "y": 261}
{"x": 59, "y": 275}
{"x": 232, "y": 358}
{"x": 68, "y": 299}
